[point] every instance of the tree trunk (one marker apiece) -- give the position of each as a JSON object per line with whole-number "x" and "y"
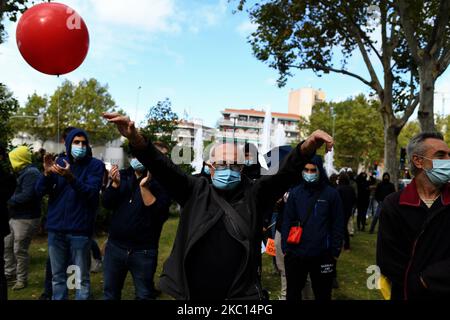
{"x": 426, "y": 102}
{"x": 391, "y": 163}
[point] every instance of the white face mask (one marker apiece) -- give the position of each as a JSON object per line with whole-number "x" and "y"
{"x": 440, "y": 173}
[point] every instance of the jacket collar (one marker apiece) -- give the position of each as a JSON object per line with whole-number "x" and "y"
{"x": 410, "y": 196}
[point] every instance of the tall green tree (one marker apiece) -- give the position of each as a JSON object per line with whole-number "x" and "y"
{"x": 357, "y": 127}
{"x": 161, "y": 122}
{"x": 78, "y": 105}
{"x": 309, "y": 34}
{"x": 8, "y": 106}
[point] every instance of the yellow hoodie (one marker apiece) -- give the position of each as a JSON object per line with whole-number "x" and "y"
{"x": 20, "y": 157}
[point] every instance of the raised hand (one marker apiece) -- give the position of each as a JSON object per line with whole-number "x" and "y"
{"x": 315, "y": 141}
{"x": 146, "y": 179}
{"x": 114, "y": 174}
{"x": 63, "y": 171}
{"x": 125, "y": 126}
{"x": 48, "y": 164}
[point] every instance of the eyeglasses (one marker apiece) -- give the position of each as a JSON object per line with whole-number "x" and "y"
{"x": 224, "y": 166}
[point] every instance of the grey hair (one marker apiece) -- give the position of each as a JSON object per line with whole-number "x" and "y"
{"x": 416, "y": 146}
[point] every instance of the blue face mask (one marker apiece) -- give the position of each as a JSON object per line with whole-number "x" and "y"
{"x": 78, "y": 152}
{"x": 206, "y": 170}
{"x": 136, "y": 165}
{"x": 226, "y": 179}
{"x": 440, "y": 173}
{"x": 310, "y": 177}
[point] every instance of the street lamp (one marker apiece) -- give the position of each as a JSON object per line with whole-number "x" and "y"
{"x": 333, "y": 115}
{"x": 137, "y": 104}
{"x": 234, "y": 116}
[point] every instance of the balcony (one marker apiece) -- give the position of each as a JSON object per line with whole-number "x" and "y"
{"x": 239, "y": 123}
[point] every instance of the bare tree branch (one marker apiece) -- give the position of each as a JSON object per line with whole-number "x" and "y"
{"x": 408, "y": 30}
{"x": 409, "y": 110}
{"x": 368, "y": 62}
{"x": 437, "y": 39}
{"x": 342, "y": 71}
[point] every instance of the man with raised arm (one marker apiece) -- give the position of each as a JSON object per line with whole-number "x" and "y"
{"x": 215, "y": 252}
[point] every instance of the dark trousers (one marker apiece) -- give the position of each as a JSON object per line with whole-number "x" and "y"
{"x": 140, "y": 263}
{"x": 3, "y": 284}
{"x": 48, "y": 289}
{"x": 321, "y": 271}
{"x": 361, "y": 217}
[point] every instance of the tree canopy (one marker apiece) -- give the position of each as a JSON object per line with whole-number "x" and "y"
{"x": 79, "y": 105}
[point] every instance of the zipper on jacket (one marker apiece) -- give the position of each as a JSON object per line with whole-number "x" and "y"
{"x": 405, "y": 285}
{"x": 247, "y": 252}
{"x": 192, "y": 241}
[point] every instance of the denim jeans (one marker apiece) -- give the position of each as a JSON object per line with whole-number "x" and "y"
{"x": 140, "y": 263}
{"x": 375, "y": 218}
{"x": 62, "y": 249}
{"x": 48, "y": 289}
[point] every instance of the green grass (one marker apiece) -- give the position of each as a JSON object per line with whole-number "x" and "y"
{"x": 351, "y": 269}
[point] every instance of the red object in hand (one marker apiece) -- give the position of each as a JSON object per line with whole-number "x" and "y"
{"x": 295, "y": 235}
{"x": 52, "y": 38}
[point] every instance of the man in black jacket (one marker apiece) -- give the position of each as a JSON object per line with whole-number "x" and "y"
{"x": 7, "y": 187}
{"x": 384, "y": 188}
{"x": 413, "y": 248}
{"x": 214, "y": 256}
{"x": 140, "y": 207}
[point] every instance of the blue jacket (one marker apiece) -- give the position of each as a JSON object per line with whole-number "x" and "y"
{"x": 72, "y": 206}
{"x": 324, "y": 231}
{"x": 25, "y": 203}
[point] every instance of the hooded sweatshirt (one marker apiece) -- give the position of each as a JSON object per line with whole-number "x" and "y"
{"x": 72, "y": 205}
{"x": 24, "y": 203}
{"x": 20, "y": 157}
{"x": 324, "y": 231}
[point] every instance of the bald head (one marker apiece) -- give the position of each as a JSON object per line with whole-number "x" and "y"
{"x": 225, "y": 153}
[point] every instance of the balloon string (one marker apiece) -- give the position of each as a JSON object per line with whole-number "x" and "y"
{"x": 59, "y": 138}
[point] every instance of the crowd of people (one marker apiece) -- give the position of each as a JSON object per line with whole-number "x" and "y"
{"x": 226, "y": 211}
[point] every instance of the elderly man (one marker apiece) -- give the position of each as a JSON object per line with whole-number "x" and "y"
{"x": 215, "y": 253}
{"x": 413, "y": 250}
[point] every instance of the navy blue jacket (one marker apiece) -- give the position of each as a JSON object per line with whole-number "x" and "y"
{"x": 7, "y": 187}
{"x": 135, "y": 225}
{"x": 324, "y": 231}
{"x": 72, "y": 206}
{"x": 25, "y": 203}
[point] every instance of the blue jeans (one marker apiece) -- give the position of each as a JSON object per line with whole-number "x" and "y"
{"x": 141, "y": 264}
{"x": 375, "y": 218}
{"x": 62, "y": 249}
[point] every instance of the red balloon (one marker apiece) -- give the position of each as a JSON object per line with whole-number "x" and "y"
{"x": 52, "y": 38}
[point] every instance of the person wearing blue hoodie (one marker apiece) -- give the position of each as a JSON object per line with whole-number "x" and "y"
{"x": 73, "y": 183}
{"x": 316, "y": 207}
